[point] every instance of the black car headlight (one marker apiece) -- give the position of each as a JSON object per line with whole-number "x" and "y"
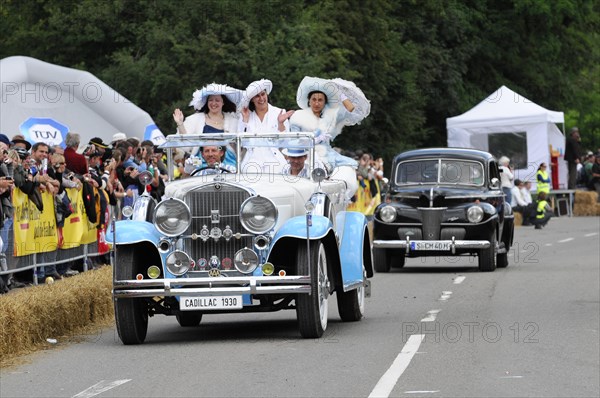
{"x": 172, "y": 217}
{"x": 475, "y": 214}
{"x": 258, "y": 214}
{"x": 388, "y": 214}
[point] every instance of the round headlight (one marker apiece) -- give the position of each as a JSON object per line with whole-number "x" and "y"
{"x": 127, "y": 211}
{"x": 387, "y": 214}
{"x": 258, "y": 214}
{"x": 245, "y": 261}
{"x": 172, "y": 217}
{"x": 475, "y": 214}
{"x": 178, "y": 263}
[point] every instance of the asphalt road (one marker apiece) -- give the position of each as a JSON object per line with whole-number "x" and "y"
{"x": 435, "y": 328}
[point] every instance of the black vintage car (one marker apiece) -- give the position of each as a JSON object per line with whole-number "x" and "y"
{"x": 443, "y": 201}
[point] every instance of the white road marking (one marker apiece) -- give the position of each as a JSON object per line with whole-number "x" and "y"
{"x": 511, "y": 377}
{"x": 592, "y": 234}
{"x": 431, "y": 315}
{"x": 565, "y": 240}
{"x": 548, "y": 244}
{"x": 459, "y": 279}
{"x": 421, "y": 392}
{"x": 445, "y": 296}
{"x": 99, "y": 388}
{"x": 388, "y": 381}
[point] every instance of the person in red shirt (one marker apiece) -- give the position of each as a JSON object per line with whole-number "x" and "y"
{"x": 75, "y": 161}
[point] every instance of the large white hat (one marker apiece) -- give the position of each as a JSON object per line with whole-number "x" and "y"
{"x": 333, "y": 89}
{"x": 310, "y": 84}
{"x": 253, "y": 89}
{"x": 200, "y": 96}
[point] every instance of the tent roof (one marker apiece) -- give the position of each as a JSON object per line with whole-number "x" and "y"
{"x": 504, "y": 107}
{"x": 77, "y": 99}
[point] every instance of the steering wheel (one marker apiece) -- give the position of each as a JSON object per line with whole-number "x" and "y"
{"x": 209, "y": 167}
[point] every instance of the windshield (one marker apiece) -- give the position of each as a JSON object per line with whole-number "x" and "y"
{"x": 439, "y": 171}
{"x": 277, "y": 153}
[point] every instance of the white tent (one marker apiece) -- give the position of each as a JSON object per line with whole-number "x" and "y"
{"x": 505, "y": 123}
{"x": 43, "y": 102}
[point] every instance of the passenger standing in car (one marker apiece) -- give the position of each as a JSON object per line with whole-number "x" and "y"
{"x": 259, "y": 116}
{"x": 215, "y": 106}
{"x": 326, "y": 107}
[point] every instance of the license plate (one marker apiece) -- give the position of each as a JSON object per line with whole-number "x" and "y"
{"x": 430, "y": 245}
{"x": 210, "y": 303}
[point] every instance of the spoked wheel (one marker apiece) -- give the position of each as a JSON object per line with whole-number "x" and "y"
{"x": 351, "y": 305}
{"x": 189, "y": 319}
{"x": 131, "y": 314}
{"x": 312, "y": 309}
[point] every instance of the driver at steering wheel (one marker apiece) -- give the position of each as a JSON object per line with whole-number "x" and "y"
{"x": 214, "y": 158}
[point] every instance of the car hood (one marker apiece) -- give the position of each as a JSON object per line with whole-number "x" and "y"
{"x": 289, "y": 194}
{"x": 429, "y": 192}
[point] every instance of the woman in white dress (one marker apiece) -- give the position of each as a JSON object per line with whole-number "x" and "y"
{"x": 328, "y": 106}
{"x": 259, "y": 116}
{"x": 215, "y": 107}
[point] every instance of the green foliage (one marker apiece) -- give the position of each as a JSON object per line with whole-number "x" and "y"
{"x": 418, "y": 62}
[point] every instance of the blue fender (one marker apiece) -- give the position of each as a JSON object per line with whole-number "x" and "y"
{"x": 295, "y": 227}
{"x": 129, "y": 231}
{"x": 353, "y": 226}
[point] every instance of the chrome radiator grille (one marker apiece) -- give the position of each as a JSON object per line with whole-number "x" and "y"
{"x": 216, "y": 205}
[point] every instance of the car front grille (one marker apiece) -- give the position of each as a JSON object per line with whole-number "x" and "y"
{"x": 215, "y": 205}
{"x": 432, "y": 218}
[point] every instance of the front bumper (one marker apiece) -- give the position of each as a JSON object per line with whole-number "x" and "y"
{"x": 211, "y": 286}
{"x": 453, "y": 244}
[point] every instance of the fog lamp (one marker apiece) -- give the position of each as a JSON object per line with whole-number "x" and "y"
{"x": 268, "y": 269}
{"x": 153, "y": 272}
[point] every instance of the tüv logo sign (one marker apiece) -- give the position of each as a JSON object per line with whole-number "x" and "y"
{"x": 46, "y": 130}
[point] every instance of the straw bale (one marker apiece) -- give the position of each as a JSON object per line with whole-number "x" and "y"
{"x": 586, "y": 197}
{"x": 29, "y": 316}
{"x": 518, "y": 219}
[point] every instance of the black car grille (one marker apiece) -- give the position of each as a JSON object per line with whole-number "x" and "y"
{"x": 432, "y": 218}
{"x": 216, "y": 205}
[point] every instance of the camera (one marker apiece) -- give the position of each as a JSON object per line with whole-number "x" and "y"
{"x": 22, "y": 152}
{"x": 71, "y": 176}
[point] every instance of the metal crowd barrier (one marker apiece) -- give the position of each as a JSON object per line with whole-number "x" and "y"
{"x": 29, "y": 262}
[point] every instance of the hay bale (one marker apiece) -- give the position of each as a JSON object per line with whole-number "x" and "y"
{"x": 518, "y": 219}
{"x": 30, "y": 316}
{"x": 586, "y": 197}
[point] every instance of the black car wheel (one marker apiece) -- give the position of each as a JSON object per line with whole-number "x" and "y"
{"x": 487, "y": 257}
{"x": 189, "y": 319}
{"x": 381, "y": 260}
{"x": 312, "y": 309}
{"x": 131, "y": 314}
{"x": 351, "y": 305}
{"x": 502, "y": 258}
{"x": 398, "y": 259}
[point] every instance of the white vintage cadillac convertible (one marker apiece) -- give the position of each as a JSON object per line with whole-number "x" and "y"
{"x": 241, "y": 242}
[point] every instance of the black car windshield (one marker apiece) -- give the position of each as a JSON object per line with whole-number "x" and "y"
{"x": 439, "y": 171}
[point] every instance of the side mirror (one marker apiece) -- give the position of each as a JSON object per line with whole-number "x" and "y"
{"x": 495, "y": 183}
{"x": 318, "y": 174}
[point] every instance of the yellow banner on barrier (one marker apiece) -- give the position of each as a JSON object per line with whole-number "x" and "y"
{"x": 74, "y": 224}
{"x": 34, "y": 231}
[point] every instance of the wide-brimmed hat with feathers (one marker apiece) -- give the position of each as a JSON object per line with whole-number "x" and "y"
{"x": 253, "y": 89}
